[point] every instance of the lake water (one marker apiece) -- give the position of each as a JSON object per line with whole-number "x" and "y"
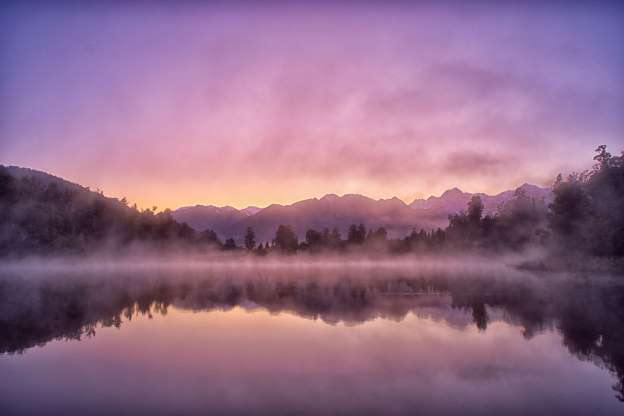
{"x": 317, "y": 340}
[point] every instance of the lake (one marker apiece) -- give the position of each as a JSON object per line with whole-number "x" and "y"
{"x": 367, "y": 338}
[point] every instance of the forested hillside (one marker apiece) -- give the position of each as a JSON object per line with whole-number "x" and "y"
{"x": 41, "y": 214}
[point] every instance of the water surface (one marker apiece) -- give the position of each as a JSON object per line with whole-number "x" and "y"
{"x": 310, "y": 342}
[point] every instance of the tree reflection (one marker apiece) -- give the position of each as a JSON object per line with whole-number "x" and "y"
{"x": 589, "y": 316}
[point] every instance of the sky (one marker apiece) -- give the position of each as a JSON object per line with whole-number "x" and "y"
{"x": 183, "y": 103}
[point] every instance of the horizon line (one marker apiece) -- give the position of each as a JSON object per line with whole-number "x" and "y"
{"x": 339, "y": 195}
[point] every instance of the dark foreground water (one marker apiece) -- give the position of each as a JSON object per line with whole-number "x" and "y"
{"x": 310, "y": 341}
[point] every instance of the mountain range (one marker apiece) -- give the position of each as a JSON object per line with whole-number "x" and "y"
{"x": 329, "y": 211}
{"x": 332, "y": 211}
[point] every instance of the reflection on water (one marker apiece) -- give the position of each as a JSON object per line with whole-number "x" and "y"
{"x": 306, "y": 341}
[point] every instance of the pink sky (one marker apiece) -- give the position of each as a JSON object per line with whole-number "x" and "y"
{"x": 241, "y": 105}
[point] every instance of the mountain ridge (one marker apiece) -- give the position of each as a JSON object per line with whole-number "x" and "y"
{"x": 332, "y": 210}
{"x": 491, "y": 202}
{"x": 329, "y": 211}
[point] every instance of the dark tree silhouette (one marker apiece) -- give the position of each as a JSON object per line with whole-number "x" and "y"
{"x": 475, "y": 209}
{"x": 285, "y": 239}
{"x": 587, "y": 213}
{"x": 209, "y": 237}
{"x": 570, "y": 211}
{"x": 230, "y": 244}
{"x": 250, "y": 239}
{"x": 357, "y": 234}
{"x": 313, "y": 238}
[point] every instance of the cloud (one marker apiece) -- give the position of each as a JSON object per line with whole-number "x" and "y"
{"x": 476, "y": 164}
{"x": 245, "y": 106}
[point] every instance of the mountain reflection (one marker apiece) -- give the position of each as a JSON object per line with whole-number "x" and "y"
{"x": 588, "y": 313}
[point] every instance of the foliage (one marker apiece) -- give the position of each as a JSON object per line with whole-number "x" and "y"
{"x": 44, "y": 218}
{"x": 250, "y": 239}
{"x": 586, "y": 216}
{"x": 285, "y": 239}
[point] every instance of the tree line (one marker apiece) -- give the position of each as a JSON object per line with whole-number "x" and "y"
{"x": 38, "y": 218}
{"x": 585, "y": 217}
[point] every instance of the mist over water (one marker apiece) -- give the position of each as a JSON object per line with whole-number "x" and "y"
{"x": 234, "y": 335}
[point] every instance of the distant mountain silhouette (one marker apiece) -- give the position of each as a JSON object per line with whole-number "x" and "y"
{"x": 329, "y": 211}
{"x": 251, "y": 210}
{"x": 333, "y": 211}
{"x": 220, "y": 219}
{"x": 455, "y": 199}
{"x": 341, "y": 211}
